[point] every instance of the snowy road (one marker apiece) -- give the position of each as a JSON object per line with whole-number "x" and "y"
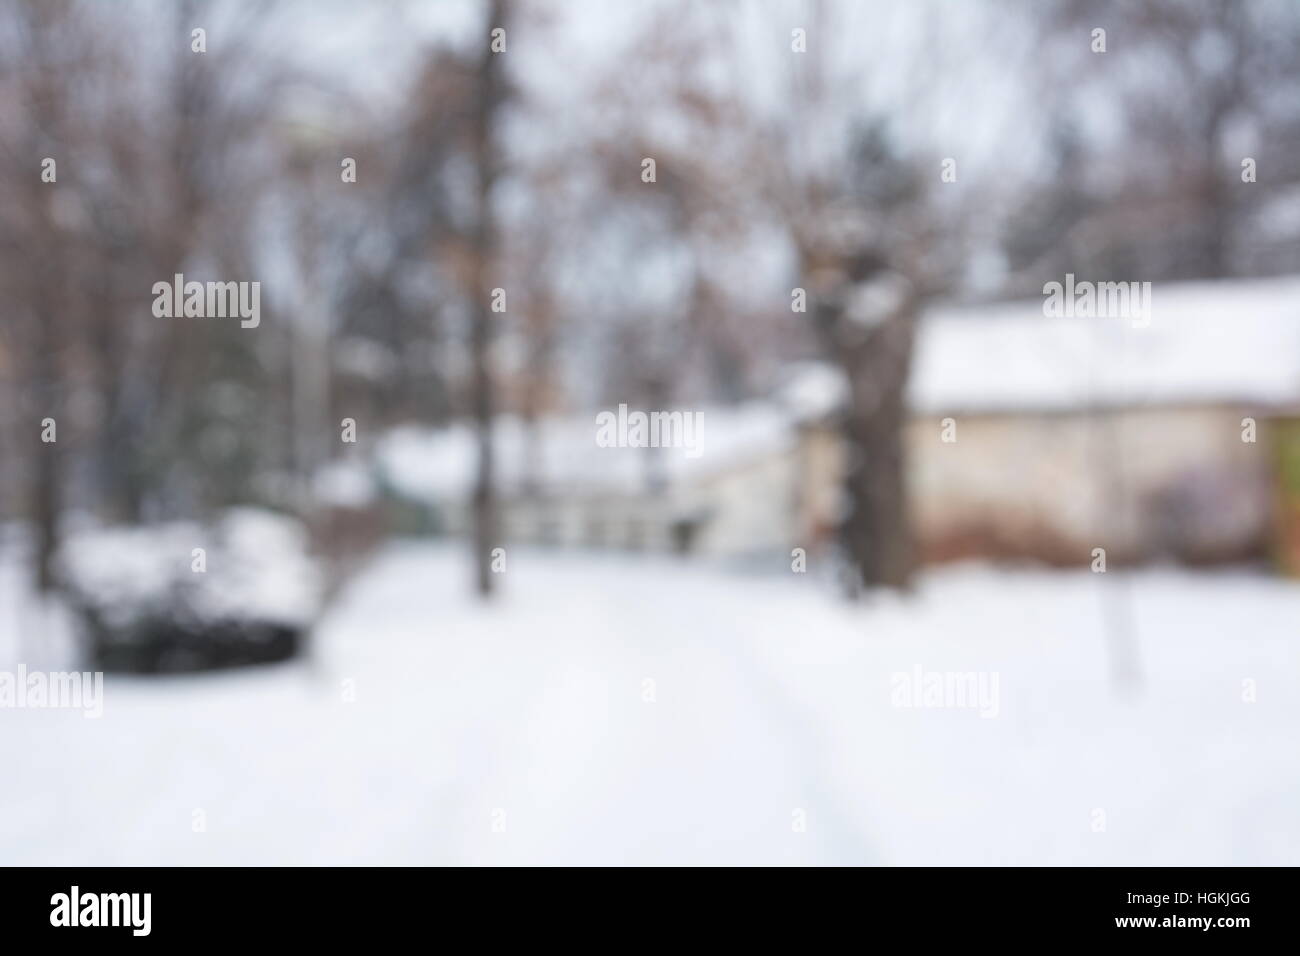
{"x": 623, "y": 710}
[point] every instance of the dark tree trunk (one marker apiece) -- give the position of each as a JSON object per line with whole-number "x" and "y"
{"x": 45, "y": 509}
{"x": 876, "y": 531}
{"x": 484, "y": 511}
{"x": 46, "y": 474}
{"x": 50, "y": 297}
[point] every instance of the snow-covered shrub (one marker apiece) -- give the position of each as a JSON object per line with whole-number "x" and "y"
{"x": 184, "y": 596}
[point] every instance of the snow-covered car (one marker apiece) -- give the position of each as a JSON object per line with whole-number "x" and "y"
{"x": 185, "y": 596}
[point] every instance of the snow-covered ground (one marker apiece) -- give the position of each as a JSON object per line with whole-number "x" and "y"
{"x": 426, "y": 729}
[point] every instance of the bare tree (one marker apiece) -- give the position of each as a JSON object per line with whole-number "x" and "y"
{"x": 491, "y": 96}
{"x": 1190, "y": 90}
{"x": 865, "y": 236}
{"x": 39, "y": 267}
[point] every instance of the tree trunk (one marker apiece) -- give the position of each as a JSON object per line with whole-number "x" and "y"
{"x": 876, "y": 532}
{"x": 46, "y": 474}
{"x": 484, "y": 514}
{"x": 50, "y": 299}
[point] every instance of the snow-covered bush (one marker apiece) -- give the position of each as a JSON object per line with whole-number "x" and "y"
{"x": 185, "y": 596}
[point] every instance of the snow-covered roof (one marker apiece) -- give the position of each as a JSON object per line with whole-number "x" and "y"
{"x": 1224, "y": 341}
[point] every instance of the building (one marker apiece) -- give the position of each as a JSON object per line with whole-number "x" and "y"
{"x": 1155, "y": 440}
{"x": 1037, "y": 438}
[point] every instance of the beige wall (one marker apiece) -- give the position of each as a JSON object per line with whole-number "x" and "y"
{"x": 1174, "y": 483}
{"x": 1155, "y": 484}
